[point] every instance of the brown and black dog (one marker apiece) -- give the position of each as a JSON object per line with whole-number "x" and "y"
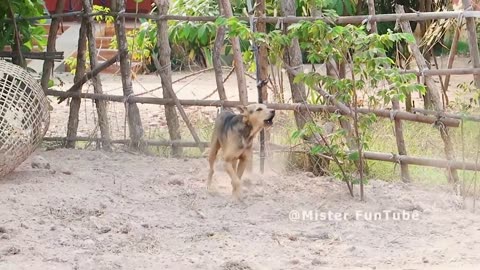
{"x": 234, "y": 134}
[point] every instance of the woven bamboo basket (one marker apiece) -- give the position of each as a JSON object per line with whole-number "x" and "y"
{"x": 24, "y": 116}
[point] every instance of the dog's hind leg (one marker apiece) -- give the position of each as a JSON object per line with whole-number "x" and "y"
{"x": 212, "y": 156}
{"x": 236, "y": 183}
{"x": 243, "y": 164}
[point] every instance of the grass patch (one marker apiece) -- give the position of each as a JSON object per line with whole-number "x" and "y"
{"x": 423, "y": 140}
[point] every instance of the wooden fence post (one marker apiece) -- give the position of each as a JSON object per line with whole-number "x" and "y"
{"x": 217, "y": 52}
{"x": 401, "y": 148}
{"x": 237, "y": 57}
{"x": 472, "y": 42}
{"x": 51, "y": 42}
{"x": 434, "y": 95}
{"x": 100, "y": 105}
{"x": 72, "y": 125}
{"x": 133, "y": 114}
{"x": 165, "y": 72}
{"x": 262, "y": 74}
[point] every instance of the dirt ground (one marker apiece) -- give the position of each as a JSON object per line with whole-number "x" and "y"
{"x": 96, "y": 210}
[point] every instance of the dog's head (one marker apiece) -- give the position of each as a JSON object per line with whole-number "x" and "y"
{"x": 257, "y": 114}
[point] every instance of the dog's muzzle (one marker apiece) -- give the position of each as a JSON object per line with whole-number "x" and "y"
{"x": 268, "y": 122}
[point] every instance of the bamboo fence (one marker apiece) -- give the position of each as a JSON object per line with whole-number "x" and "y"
{"x": 438, "y": 116}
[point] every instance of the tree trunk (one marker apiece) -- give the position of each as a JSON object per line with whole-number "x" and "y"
{"x": 97, "y": 83}
{"x": 237, "y": 58}
{"x": 293, "y": 58}
{"x": 133, "y": 114}
{"x": 52, "y": 37}
{"x": 166, "y": 74}
{"x": 217, "y": 52}
{"x": 72, "y": 125}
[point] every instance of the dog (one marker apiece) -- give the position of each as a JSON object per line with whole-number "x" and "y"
{"x": 234, "y": 134}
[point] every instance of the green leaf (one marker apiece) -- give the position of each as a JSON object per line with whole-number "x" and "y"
{"x": 297, "y": 134}
{"x": 354, "y": 156}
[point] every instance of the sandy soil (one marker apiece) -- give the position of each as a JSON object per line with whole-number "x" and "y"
{"x": 96, "y": 210}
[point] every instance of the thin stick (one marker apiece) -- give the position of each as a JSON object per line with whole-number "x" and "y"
{"x": 453, "y": 52}
{"x": 224, "y": 81}
{"x": 91, "y": 74}
{"x": 177, "y": 80}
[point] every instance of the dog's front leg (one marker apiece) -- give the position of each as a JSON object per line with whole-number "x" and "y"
{"x": 236, "y": 183}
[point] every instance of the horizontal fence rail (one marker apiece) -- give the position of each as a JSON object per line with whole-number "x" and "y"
{"x": 289, "y": 107}
{"x": 417, "y": 16}
{"x": 400, "y": 159}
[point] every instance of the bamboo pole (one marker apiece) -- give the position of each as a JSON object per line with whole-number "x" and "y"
{"x": 472, "y": 42}
{"x": 51, "y": 42}
{"x": 164, "y": 69}
{"x": 73, "y": 117}
{"x": 448, "y": 122}
{"x": 133, "y": 114}
{"x": 358, "y": 19}
{"x": 237, "y": 57}
{"x": 388, "y": 157}
{"x": 100, "y": 105}
{"x": 474, "y": 118}
{"x": 433, "y": 95}
{"x": 427, "y": 162}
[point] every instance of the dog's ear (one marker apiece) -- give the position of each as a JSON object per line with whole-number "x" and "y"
{"x": 242, "y": 109}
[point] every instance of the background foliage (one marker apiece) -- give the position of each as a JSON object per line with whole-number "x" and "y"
{"x": 30, "y": 33}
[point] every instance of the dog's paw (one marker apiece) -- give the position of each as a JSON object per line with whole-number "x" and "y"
{"x": 212, "y": 190}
